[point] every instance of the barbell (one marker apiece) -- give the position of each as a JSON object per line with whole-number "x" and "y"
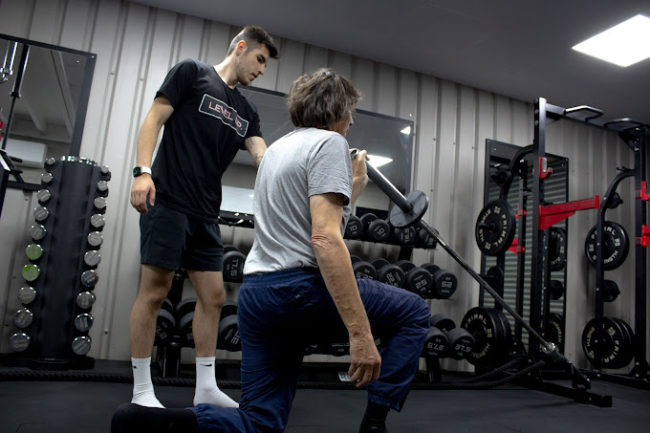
{"x": 409, "y": 209}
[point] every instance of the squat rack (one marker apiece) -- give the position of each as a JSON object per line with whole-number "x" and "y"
{"x": 635, "y": 135}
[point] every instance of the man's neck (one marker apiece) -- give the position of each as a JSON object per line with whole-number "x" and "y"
{"x": 226, "y": 70}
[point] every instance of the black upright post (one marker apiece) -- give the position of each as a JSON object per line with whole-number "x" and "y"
{"x": 539, "y": 247}
{"x": 638, "y": 144}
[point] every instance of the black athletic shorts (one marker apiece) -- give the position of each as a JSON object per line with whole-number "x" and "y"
{"x": 173, "y": 240}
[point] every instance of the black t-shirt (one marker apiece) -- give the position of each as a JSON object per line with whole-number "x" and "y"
{"x": 208, "y": 126}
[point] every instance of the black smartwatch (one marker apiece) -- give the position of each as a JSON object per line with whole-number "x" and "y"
{"x": 137, "y": 171}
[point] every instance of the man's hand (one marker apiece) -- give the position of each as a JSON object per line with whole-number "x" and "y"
{"x": 365, "y": 362}
{"x": 359, "y": 172}
{"x": 142, "y": 186}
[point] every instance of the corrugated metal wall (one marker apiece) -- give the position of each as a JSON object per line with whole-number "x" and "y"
{"x": 135, "y": 47}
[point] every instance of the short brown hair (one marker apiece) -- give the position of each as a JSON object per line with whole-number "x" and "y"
{"x": 320, "y": 99}
{"x": 254, "y": 35}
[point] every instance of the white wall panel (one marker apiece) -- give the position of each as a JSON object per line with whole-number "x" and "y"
{"x": 136, "y": 46}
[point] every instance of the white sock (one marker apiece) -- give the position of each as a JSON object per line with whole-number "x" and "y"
{"x": 207, "y": 390}
{"x": 143, "y": 393}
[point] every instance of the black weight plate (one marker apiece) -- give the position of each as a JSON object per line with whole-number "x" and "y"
{"x": 557, "y": 249}
{"x": 495, "y": 228}
{"x": 610, "y": 291}
{"x": 504, "y": 336}
{"x": 605, "y": 342}
{"x": 616, "y": 245}
{"x": 482, "y": 326}
{"x": 628, "y": 341}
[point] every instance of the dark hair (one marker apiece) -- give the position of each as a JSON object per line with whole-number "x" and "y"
{"x": 320, "y": 99}
{"x": 254, "y": 35}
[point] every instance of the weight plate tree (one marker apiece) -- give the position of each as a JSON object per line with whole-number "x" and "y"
{"x": 57, "y": 297}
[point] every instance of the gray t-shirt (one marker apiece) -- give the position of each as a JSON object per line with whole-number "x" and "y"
{"x": 305, "y": 162}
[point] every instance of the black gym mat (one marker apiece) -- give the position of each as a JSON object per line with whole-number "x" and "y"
{"x": 53, "y": 406}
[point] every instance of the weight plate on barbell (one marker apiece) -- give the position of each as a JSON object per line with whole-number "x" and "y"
{"x": 615, "y": 246}
{"x": 495, "y": 228}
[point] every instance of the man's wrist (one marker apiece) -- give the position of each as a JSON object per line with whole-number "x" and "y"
{"x": 140, "y": 170}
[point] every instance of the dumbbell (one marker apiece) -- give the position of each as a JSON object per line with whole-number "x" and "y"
{"x": 444, "y": 282}
{"x": 423, "y": 239}
{"x": 228, "y": 338}
{"x": 402, "y": 236}
{"x": 375, "y": 229}
{"x": 436, "y": 344}
{"x": 233, "y": 264}
{"x": 165, "y": 322}
{"x": 354, "y": 228}
{"x": 461, "y": 343}
{"x": 184, "y": 315}
{"x": 442, "y": 322}
{"x": 363, "y": 269}
{"x": 418, "y": 280}
{"x": 389, "y": 273}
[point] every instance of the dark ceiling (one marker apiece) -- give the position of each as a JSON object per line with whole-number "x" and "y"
{"x": 520, "y": 49}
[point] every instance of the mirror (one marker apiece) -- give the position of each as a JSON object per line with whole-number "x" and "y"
{"x": 44, "y": 92}
{"x": 388, "y": 140}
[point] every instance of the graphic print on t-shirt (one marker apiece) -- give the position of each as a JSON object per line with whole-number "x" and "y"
{"x": 228, "y": 115}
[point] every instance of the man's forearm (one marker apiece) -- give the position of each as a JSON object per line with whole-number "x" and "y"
{"x": 358, "y": 185}
{"x": 336, "y": 269}
{"x": 147, "y": 143}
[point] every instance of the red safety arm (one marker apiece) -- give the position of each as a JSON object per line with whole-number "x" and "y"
{"x": 645, "y": 237}
{"x": 553, "y": 214}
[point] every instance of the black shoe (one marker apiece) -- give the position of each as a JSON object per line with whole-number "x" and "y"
{"x": 367, "y": 427}
{"x": 132, "y": 418}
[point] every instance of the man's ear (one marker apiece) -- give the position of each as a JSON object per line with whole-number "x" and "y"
{"x": 240, "y": 48}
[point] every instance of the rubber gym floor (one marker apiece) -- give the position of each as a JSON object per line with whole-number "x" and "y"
{"x": 32, "y": 401}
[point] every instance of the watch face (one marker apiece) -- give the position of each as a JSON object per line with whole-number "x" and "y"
{"x": 136, "y": 171}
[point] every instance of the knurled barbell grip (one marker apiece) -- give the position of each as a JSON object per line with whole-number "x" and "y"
{"x": 385, "y": 185}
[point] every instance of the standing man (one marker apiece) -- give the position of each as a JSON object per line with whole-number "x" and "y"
{"x": 299, "y": 286}
{"x": 206, "y": 122}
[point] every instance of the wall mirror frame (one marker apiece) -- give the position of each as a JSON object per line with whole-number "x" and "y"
{"x": 44, "y": 92}
{"x": 387, "y": 139}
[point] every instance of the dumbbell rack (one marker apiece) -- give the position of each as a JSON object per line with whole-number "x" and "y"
{"x": 54, "y": 320}
{"x": 635, "y": 136}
